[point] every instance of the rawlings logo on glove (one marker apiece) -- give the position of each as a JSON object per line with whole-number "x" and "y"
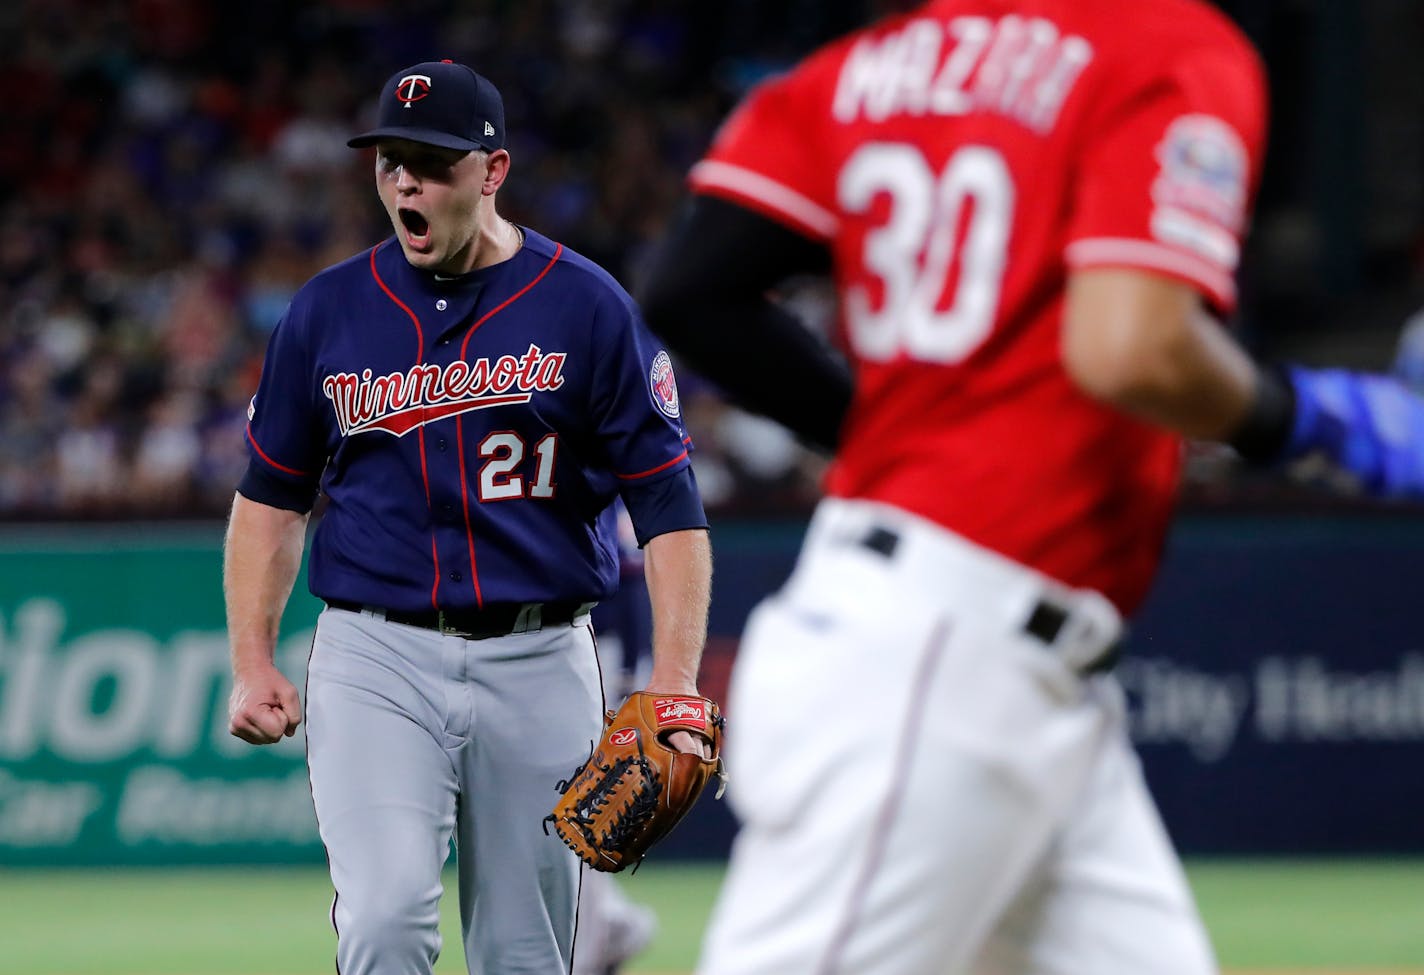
{"x": 673, "y": 710}
{"x": 636, "y": 787}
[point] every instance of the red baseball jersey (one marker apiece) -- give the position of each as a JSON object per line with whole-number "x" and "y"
{"x": 960, "y": 161}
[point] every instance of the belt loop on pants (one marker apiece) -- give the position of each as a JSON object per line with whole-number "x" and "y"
{"x": 1081, "y": 648}
{"x": 1080, "y": 626}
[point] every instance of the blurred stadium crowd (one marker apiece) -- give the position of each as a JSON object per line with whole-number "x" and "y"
{"x": 172, "y": 170}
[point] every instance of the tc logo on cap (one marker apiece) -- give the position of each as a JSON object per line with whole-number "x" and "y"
{"x": 412, "y": 88}
{"x": 465, "y": 113}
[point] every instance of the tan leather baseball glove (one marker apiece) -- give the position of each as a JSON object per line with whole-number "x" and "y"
{"x": 636, "y": 787}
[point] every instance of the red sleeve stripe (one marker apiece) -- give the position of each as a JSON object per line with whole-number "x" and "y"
{"x": 1133, "y": 253}
{"x": 272, "y": 463}
{"x": 654, "y": 470}
{"x": 765, "y": 194}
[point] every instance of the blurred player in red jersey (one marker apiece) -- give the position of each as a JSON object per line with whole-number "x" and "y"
{"x": 1032, "y": 210}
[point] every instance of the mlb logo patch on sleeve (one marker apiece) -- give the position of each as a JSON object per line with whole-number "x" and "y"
{"x": 1200, "y": 191}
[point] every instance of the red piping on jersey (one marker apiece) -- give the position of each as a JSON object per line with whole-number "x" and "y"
{"x": 459, "y": 421}
{"x": 465, "y": 345}
{"x": 465, "y": 501}
{"x": 420, "y": 433}
{"x": 911, "y": 735}
{"x": 653, "y": 470}
{"x": 434, "y": 551}
{"x": 263, "y": 454}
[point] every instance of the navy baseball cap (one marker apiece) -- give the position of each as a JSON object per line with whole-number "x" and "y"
{"x": 440, "y": 103}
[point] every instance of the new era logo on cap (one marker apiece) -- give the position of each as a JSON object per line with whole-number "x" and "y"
{"x": 440, "y": 103}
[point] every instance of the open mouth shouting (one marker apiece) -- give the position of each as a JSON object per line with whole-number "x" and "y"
{"x": 417, "y": 228}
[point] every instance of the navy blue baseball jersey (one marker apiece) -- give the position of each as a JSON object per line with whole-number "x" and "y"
{"x": 469, "y": 432}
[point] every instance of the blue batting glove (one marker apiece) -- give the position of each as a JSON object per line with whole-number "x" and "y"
{"x": 1370, "y": 426}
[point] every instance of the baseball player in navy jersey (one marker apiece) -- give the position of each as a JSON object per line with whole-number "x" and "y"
{"x": 470, "y": 396}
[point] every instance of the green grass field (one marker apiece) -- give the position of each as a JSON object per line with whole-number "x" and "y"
{"x": 1278, "y": 916}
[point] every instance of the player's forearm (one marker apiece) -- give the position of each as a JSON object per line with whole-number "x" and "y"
{"x": 678, "y": 566}
{"x": 1142, "y": 344}
{"x": 261, "y": 559}
{"x": 1203, "y": 388}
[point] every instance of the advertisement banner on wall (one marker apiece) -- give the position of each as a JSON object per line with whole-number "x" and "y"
{"x": 1275, "y": 681}
{"x": 114, "y": 682}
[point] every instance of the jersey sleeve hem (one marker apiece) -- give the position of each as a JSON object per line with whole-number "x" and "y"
{"x": 669, "y": 505}
{"x": 262, "y": 454}
{"x": 1217, "y": 284}
{"x": 765, "y": 195}
{"x": 261, "y": 485}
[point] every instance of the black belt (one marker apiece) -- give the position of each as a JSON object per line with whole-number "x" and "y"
{"x": 1044, "y": 622}
{"x": 493, "y": 619}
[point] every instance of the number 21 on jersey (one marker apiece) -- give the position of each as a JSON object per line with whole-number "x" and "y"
{"x": 914, "y": 251}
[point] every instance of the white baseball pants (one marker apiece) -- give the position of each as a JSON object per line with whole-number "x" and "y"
{"x": 928, "y": 787}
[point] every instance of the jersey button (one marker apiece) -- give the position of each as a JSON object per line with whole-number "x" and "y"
{"x": 441, "y": 445}
{"x": 455, "y": 577}
{"x": 441, "y": 305}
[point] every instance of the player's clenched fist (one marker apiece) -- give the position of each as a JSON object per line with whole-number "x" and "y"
{"x": 264, "y": 707}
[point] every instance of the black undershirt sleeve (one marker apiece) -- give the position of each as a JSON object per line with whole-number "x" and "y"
{"x": 707, "y": 297}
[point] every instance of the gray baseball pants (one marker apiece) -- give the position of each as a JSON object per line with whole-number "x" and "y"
{"x": 415, "y": 738}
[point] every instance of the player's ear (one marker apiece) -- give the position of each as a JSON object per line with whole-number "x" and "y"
{"x": 496, "y": 169}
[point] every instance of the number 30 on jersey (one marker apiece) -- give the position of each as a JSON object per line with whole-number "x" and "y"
{"x": 913, "y": 252}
